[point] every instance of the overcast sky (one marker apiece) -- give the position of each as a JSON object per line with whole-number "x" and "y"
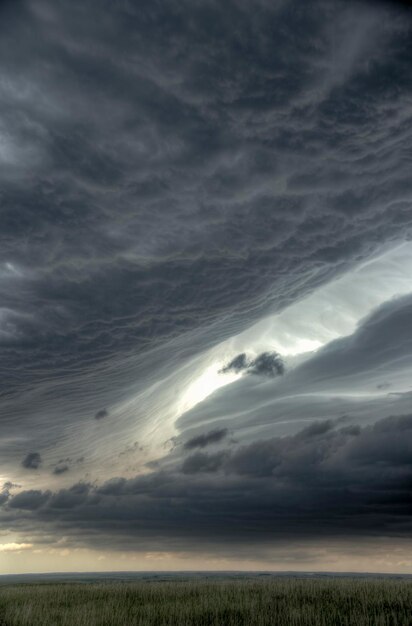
{"x": 205, "y": 285}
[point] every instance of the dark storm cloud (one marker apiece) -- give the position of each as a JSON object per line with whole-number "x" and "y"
{"x": 29, "y": 500}
{"x": 202, "y": 462}
{"x": 206, "y": 439}
{"x": 326, "y": 480}
{"x": 262, "y": 458}
{"x": 101, "y": 414}
{"x": 69, "y": 498}
{"x": 170, "y": 173}
{"x": 32, "y": 461}
{"x": 173, "y": 171}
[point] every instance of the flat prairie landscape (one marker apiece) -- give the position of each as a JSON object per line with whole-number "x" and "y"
{"x": 283, "y": 601}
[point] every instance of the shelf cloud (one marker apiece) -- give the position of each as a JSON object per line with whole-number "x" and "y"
{"x": 205, "y": 293}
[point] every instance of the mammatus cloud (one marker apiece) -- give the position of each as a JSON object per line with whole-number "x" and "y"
{"x": 266, "y": 364}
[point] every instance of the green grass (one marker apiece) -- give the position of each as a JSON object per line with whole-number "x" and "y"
{"x": 280, "y": 601}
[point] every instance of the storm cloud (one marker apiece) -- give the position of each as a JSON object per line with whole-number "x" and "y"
{"x": 327, "y": 479}
{"x": 205, "y": 226}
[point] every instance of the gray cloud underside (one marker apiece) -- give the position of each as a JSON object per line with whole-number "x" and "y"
{"x": 327, "y": 480}
{"x": 172, "y": 172}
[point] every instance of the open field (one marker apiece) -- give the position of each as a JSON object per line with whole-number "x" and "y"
{"x": 283, "y": 601}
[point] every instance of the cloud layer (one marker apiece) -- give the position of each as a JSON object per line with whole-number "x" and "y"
{"x": 326, "y": 481}
{"x": 171, "y": 173}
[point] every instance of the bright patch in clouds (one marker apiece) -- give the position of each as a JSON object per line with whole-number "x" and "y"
{"x": 204, "y": 386}
{"x": 15, "y": 547}
{"x": 330, "y": 312}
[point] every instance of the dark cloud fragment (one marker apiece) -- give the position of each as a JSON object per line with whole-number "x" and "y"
{"x": 70, "y": 498}
{"x": 201, "y": 462}
{"x": 236, "y": 365}
{"x": 9, "y": 485}
{"x": 265, "y": 364}
{"x": 4, "y": 496}
{"x": 206, "y": 439}
{"x": 316, "y": 429}
{"x": 30, "y": 500}
{"x": 101, "y": 414}
{"x": 32, "y": 461}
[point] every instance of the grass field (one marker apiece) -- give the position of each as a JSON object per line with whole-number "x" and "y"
{"x": 280, "y": 601}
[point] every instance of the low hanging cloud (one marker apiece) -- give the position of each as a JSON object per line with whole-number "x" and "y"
{"x": 328, "y": 481}
{"x": 29, "y": 500}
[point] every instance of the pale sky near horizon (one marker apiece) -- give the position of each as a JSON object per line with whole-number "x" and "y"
{"x": 205, "y": 285}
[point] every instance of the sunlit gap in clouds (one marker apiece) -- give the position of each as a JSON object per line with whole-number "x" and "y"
{"x": 330, "y": 312}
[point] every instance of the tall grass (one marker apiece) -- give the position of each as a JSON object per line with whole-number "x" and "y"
{"x": 203, "y": 603}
